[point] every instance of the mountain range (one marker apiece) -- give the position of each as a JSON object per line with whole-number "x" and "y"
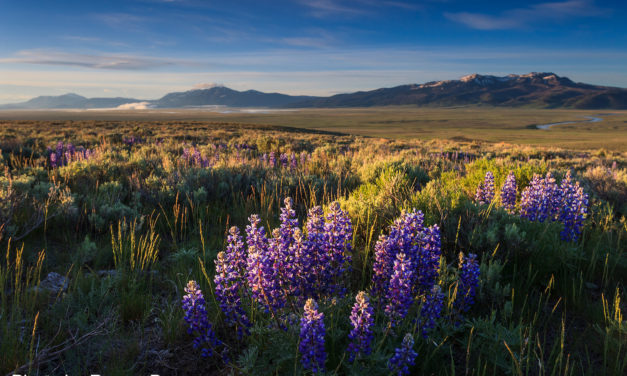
{"x": 543, "y": 90}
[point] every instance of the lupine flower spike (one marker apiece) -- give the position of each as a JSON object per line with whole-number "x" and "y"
{"x": 431, "y": 310}
{"x": 197, "y": 320}
{"x": 508, "y": 193}
{"x": 399, "y": 297}
{"x": 468, "y": 281}
{"x": 574, "y": 209}
{"x": 228, "y": 283}
{"x": 362, "y": 318}
{"x": 261, "y": 273}
{"x": 338, "y": 232}
{"x": 312, "y": 333}
{"x": 485, "y": 190}
{"x": 404, "y": 357}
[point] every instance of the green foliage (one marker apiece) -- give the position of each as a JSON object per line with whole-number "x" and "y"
{"x": 544, "y": 306}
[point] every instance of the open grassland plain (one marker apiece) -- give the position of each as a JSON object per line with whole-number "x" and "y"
{"x": 489, "y": 124}
{"x": 199, "y": 243}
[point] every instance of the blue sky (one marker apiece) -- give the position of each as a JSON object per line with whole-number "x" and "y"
{"x": 146, "y": 48}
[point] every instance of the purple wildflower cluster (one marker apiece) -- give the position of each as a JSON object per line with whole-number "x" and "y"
{"x": 261, "y": 273}
{"x": 193, "y": 157}
{"x": 292, "y": 161}
{"x": 420, "y": 246}
{"x": 574, "y": 208}
{"x": 362, "y": 318}
{"x": 304, "y": 265}
{"x": 197, "y": 321}
{"x": 406, "y": 270}
{"x": 399, "y": 295}
{"x": 230, "y": 269}
{"x": 404, "y": 357}
{"x": 467, "y": 282}
{"x": 485, "y": 190}
{"x": 289, "y": 264}
{"x": 431, "y": 310}
{"x": 64, "y": 154}
{"x": 132, "y": 140}
{"x": 508, "y": 192}
{"x": 312, "y": 333}
{"x": 543, "y": 199}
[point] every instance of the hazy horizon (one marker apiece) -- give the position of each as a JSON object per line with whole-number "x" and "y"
{"x": 147, "y": 48}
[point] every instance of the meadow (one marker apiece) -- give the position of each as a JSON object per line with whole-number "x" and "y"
{"x": 323, "y": 241}
{"x": 482, "y": 124}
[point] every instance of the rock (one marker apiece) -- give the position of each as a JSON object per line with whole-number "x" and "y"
{"x": 107, "y": 273}
{"x": 54, "y": 282}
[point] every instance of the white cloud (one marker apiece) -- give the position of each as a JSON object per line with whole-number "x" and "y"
{"x": 523, "y": 17}
{"x": 105, "y": 61}
{"x": 135, "y": 106}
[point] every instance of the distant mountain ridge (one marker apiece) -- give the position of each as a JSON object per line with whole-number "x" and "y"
{"x": 68, "y": 101}
{"x": 545, "y": 89}
{"x": 220, "y": 95}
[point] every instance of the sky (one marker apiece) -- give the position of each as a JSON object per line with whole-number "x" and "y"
{"x": 146, "y": 48}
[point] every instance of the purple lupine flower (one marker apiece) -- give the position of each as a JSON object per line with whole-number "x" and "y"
{"x": 282, "y": 248}
{"x": 404, "y": 356}
{"x": 197, "y": 320}
{"x": 132, "y": 140}
{"x": 293, "y": 162}
{"x": 530, "y": 199}
{"x": 315, "y": 282}
{"x": 228, "y": 283}
{"x": 431, "y": 310}
{"x": 312, "y": 333}
{"x": 283, "y": 158}
{"x": 264, "y": 158}
{"x": 429, "y": 260}
{"x": 62, "y": 155}
{"x": 485, "y": 190}
{"x": 468, "y": 281}
{"x": 338, "y": 232}
{"x": 272, "y": 159}
{"x": 574, "y": 208}
{"x": 420, "y": 245}
{"x": 549, "y": 200}
{"x": 59, "y": 148}
{"x": 508, "y": 193}
{"x": 303, "y": 158}
{"x": 261, "y": 273}
{"x": 235, "y": 252}
{"x": 53, "y": 160}
{"x": 399, "y": 295}
{"x": 304, "y": 267}
{"x": 362, "y": 318}
{"x": 194, "y": 158}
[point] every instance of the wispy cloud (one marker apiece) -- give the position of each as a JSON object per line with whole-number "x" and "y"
{"x": 523, "y": 17}
{"x": 93, "y": 41}
{"x": 107, "y": 62}
{"x": 324, "y": 8}
{"x": 313, "y": 38}
{"x": 122, "y": 21}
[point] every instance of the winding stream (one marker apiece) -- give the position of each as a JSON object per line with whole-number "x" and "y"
{"x": 591, "y": 119}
